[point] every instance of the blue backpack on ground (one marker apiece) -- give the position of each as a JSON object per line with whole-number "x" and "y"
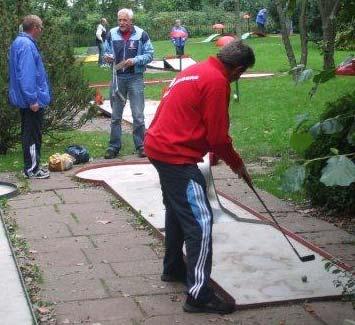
{"x": 80, "y": 153}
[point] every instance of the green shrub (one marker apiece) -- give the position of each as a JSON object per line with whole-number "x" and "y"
{"x": 337, "y": 198}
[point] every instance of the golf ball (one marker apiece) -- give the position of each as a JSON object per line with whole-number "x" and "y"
{"x": 235, "y": 96}
{"x": 304, "y": 278}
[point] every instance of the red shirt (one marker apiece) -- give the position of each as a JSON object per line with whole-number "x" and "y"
{"x": 192, "y": 118}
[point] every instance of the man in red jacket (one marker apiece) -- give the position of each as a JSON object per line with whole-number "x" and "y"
{"x": 192, "y": 120}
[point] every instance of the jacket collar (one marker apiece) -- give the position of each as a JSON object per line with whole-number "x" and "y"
{"x": 24, "y": 34}
{"x": 133, "y": 30}
{"x": 219, "y": 65}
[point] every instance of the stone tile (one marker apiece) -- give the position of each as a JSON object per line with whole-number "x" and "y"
{"x": 324, "y": 238}
{"x": 85, "y": 270}
{"x": 298, "y": 223}
{"x": 159, "y": 305}
{"x": 189, "y": 319}
{"x": 31, "y": 200}
{"x": 9, "y": 177}
{"x": 119, "y": 254}
{"x": 333, "y": 313}
{"x": 290, "y": 315}
{"x": 131, "y": 238}
{"x": 81, "y": 210}
{"x": 73, "y": 287}
{"x": 345, "y": 252}
{"x": 60, "y": 244}
{"x": 36, "y": 215}
{"x": 138, "y": 267}
{"x": 69, "y": 257}
{"x": 54, "y": 182}
{"x": 45, "y": 230}
{"x": 93, "y": 226}
{"x": 83, "y": 195}
{"x": 119, "y": 310}
{"x": 142, "y": 285}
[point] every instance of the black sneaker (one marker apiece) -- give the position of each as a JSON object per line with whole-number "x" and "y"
{"x": 173, "y": 278}
{"x": 110, "y": 154}
{"x": 141, "y": 153}
{"x": 39, "y": 174}
{"x": 214, "y": 306}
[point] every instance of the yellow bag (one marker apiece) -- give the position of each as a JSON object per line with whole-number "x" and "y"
{"x": 60, "y": 162}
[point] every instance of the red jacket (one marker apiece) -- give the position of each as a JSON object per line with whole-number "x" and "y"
{"x": 192, "y": 118}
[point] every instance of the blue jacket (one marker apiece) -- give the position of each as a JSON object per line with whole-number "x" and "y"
{"x": 179, "y": 41}
{"x": 261, "y": 17}
{"x": 138, "y": 47}
{"x": 28, "y": 79}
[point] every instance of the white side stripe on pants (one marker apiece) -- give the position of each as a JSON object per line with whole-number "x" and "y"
{"x": 33, "y": 157}
{"x": 204, "y": 250}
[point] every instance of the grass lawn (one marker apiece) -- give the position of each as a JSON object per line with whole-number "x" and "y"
{"x": 95, "y": 142}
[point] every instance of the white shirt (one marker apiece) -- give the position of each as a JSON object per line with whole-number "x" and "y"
{"x": 100, "y": 28}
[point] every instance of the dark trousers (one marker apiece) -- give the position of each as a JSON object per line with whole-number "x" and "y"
{"x": 31, "y": 125}
{"x": 261, "y": 28}
{"x": 179, "y": 50}
{"x": 188, "y": 219}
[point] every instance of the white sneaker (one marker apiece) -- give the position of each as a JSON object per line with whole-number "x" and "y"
{"x": 39, "y": 174}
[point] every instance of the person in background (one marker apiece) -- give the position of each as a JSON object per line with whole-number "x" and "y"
{"x": 192, "y": 120}
{"x": 261, "y": 19}
{"x": 129, "y": 48}
{"x": 179, "y": 36}
{"x": 100, "y": 40}
{"x": 29, "y": 91}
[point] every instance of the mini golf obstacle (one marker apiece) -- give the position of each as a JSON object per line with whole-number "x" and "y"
{"x": 149, "y": 111}
{"x": 210, "y": 38}
{"x": 7, "y": 190}
{"x": 15, "y": 306}
{"x": 172, "y": 63}
{"x": 252, "y": 262}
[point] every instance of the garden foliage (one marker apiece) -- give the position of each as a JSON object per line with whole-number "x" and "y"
{"x": 328, "y": 149}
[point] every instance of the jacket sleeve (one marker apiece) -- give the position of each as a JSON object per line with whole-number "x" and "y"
{"x": 216, "y": 121}
{"x": 147, "y": 51}
{"x": 99, "y": 32}
{"x": 27, "y": 74}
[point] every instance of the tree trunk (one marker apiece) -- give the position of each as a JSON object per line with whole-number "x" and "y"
{"x": 328, "y": 9}
{"x": 238, "y": 29}
{"x": 303, "y": 32}
{"x": 285, "y": 35}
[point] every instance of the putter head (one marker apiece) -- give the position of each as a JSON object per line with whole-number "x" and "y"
{"x": 307, "y": 258}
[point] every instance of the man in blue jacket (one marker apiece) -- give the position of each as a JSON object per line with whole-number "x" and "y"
{"x": 261, "y": 19}
{"x": 129, "y": 48}
{"x": 29, "y": 91}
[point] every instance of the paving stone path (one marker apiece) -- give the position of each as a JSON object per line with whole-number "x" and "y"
{"x": 100, "y": 268}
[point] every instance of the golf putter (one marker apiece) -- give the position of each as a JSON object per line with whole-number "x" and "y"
{"x": 306, "y": 258}
{"x": 116, "y": 67}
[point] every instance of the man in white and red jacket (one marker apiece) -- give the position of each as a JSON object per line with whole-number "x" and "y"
{"x": 192, "y": 120}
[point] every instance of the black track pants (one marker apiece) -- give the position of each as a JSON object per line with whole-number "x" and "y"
{"x": 31, "y": 125}
{"x": 188, "y": 219}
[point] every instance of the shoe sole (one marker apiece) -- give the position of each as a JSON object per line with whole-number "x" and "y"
{"x": 173, "y": 280}
{"x": 204, "y": 310}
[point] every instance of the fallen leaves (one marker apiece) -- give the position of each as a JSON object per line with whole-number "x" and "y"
{"x": 104, "y": 222}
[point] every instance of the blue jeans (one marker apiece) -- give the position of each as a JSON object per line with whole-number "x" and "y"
{"x": 100, "y": 46}
{"x": 130, "y": 86}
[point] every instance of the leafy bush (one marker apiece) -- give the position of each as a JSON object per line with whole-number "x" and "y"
{"x": 345, "y": 39}
{"x": 341, "y": 198}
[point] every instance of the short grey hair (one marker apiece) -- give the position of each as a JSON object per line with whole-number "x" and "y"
{"x": 31, "y": 21}
{"x": 237, "y": 54}
{"x": 126, "y": 11}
